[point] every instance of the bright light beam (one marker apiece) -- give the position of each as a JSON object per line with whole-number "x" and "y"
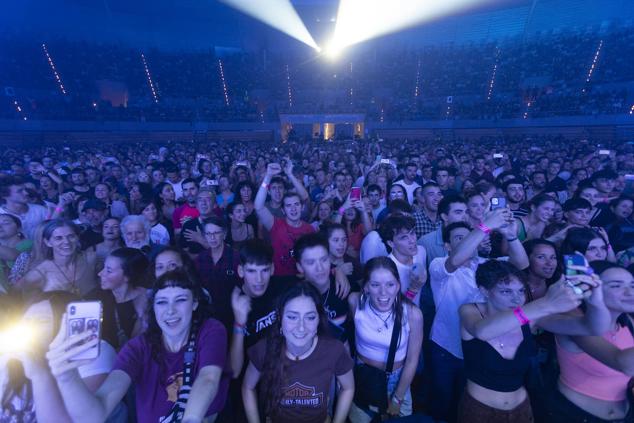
{"x": 279, "y": 14}
{"x": 361, "y": 20}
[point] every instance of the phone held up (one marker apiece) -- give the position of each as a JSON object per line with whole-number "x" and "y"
{"x": 84, "y": 316}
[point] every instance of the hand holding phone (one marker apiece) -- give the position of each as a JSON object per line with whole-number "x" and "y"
{"x": 83, "y": 317}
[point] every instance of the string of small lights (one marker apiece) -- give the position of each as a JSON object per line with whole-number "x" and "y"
{"x": 54, "y": 69}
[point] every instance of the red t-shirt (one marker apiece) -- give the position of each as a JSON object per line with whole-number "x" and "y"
{"x": 183, "y": 214}
{"x": 283, "y": 237}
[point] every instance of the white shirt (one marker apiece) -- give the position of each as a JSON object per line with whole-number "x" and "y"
{"x": 372, "y": 246}
{"x": 405, "y": 270}
{"x": 452, "y": 290}
{"x": 159, "y": 234}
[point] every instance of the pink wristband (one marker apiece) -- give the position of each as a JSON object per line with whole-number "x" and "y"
{"x": 484, "y": 228}
{"x": 521, "y": 317}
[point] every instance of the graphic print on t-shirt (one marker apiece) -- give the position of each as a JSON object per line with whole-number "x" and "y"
{"x": 174, "y": 383}
{"x": 299, "y": 395}
{"x": 265, "y": 321}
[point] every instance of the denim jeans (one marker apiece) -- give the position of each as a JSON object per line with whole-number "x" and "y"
{"x": 447, "y": 383}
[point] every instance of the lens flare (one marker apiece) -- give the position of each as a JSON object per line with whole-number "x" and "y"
{"x": 16, "y": 338}
{"x": 280, "y": 14}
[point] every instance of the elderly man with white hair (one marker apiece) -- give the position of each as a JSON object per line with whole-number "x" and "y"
{"x": 136, "y": 232}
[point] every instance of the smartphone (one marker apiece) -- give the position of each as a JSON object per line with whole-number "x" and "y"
{"x": 604, "y": 152}
{"x": 84, "y": 316}
{"x": 498, "y": 203}
{"x": 386, "y": 161}
{"x": 242, "y": 163}
{"x": 498, "y": 156}
{"x": 573, "y": 260}
{"x": 355, "y": 193}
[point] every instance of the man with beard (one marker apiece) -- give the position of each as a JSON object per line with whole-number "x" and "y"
{"x": 191, "y": 238}
{"x": 427, "y": 218}
{"x": 284, "y": 231}
{"x": 135, "y": 230}
{"x": 408, "y": 182}
{"x": 515, "y": 197}
{"x": 538, "y": 184}
{"x": 188, "y": 210}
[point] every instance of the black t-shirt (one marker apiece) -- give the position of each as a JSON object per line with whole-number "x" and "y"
{"x": 263, "y": 313}
{"x": 191, "y": 247}
{"x": 337, "y": 312}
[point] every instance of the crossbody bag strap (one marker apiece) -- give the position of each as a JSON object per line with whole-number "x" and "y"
{"x": 178, "y": 409}
{"x": 396, "y": 332}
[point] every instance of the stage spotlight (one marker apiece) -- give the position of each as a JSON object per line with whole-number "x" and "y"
{"x": 279, "y": 14}
{"x": 361, "y": 20}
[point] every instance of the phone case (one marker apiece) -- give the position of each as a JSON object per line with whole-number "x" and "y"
{"x": 83, "y": 316}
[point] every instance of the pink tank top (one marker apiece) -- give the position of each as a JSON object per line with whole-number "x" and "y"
{"x": 588, "y": 376}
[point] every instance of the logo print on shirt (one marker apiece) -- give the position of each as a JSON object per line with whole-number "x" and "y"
{"x": 266, "y": 321}
{"x": 298, "y": 395}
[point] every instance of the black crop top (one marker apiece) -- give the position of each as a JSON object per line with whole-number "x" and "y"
{"x": 486, "y": 367}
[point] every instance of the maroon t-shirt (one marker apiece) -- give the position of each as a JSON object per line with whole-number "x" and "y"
{"x": 283, "y": 237}
{"x": 308, "y": 381}
{"x": 156, "y": 392}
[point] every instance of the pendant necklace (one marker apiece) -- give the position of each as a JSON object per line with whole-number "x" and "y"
{"x": 385, "y": 326}
{"x": 72, "y": 282}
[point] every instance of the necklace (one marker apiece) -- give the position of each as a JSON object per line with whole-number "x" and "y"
{"x": 297, "y": 357}
{"x": 72, "y": 282}
{"x": 384, "y": 326}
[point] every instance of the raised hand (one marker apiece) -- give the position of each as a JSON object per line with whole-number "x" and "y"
{"x": 241, "y": 305}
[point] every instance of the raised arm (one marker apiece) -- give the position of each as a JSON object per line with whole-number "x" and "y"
{"x": 594, "y": 321}
{"x": 241, "y": 305}
{"x": 468, "y": 246}
{"x": 559, "y": 298}
{"x": 264, "y": 215}
{"x": 81, "y": 404}
{"x": 297, "y": 184}
{"x": 516, "y": 251}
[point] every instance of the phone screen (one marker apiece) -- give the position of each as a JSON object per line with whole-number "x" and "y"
{"x": 355, "y": 193}
{"x": 573, "y": 260}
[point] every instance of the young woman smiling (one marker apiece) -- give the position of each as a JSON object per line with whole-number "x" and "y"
{"x": 296, "y": 385}
{"x": 170, "y": 384}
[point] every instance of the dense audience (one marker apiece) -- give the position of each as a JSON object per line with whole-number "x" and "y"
{"x": 543, "y": 75}
{"x": 468, "y": 281}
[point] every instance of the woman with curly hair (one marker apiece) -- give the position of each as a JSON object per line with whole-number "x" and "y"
{"x": 295, "y": 365}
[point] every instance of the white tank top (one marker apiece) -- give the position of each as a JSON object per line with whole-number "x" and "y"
{"x": 373, "y": 333}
